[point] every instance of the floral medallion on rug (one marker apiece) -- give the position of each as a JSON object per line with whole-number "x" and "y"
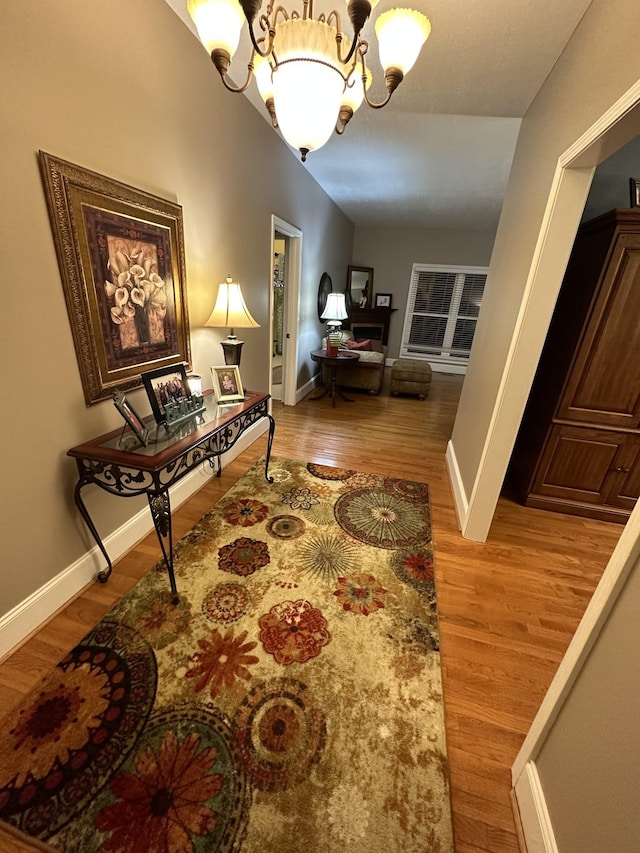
{"x": 290, "y": 703}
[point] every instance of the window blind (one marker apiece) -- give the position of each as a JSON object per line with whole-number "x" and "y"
{"x": 442, "y": 312}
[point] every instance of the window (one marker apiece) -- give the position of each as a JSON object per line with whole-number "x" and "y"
{"x": 442, "y": 312}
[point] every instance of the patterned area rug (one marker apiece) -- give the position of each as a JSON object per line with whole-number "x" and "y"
{"x": 291, "y": 703}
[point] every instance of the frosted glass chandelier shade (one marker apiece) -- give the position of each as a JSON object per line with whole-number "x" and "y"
{"x": 219, "y": 23}
{"x": 311, "y": 75}
{"x": 401, "y": 34}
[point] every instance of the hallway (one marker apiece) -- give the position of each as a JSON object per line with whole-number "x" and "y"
{"x": 507, "y": 608}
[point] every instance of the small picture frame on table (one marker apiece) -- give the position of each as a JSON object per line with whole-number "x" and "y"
{"x": 634, "y": 192}
{"x": 166, "y": 387}
{"x": 131, "y": 417}
{"x": 383, "y": 300}
{"x": 227, "y": 384}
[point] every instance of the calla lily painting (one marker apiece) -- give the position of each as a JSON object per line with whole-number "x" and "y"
{"x": 121, "y": 257}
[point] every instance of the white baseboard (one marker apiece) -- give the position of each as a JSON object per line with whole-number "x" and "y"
{"x": 460, "y": 500}
{"x": 312, "y": 383}
{"x": 534, "y": 816}
{"x": 30, "y": 614}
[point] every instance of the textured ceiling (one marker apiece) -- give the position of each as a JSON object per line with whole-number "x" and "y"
{"x": 438, "y": 156}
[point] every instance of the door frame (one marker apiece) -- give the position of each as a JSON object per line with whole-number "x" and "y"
{"x": 293, "y": 272}
{"x": 566, "y": 201}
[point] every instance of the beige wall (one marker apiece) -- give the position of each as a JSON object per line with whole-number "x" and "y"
{"x": 589, "y": 765}
{"x": 393, "y": 251}
{"x": 124, "y": 89}
{"x": 600, "y": 63}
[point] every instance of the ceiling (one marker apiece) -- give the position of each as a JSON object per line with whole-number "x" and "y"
{"x": 438, "y": 156}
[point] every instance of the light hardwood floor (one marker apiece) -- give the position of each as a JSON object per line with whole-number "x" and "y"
{"x": 508, "y": 608}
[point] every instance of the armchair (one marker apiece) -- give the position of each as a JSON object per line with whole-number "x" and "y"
{"x": 367, "y": 373}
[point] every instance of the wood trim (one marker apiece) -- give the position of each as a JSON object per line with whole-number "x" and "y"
{"x": 567, "y": 197}
{"x": 622, "y": 562}
{"x": 534, "y": 819}
{"x": 457, "y": 486}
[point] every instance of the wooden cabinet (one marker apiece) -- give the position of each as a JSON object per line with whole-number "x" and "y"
{"x": 578, "y": 448}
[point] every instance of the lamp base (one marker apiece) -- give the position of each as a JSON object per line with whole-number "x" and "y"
{"x": 232, "y": 351}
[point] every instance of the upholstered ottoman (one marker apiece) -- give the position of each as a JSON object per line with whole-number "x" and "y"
{"x": 411, "y": 376}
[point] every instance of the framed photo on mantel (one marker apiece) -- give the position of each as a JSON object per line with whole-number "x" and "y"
{"x": 383, "y": 300}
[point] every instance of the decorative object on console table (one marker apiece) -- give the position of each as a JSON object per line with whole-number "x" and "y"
{"x": 334, "y": 313}
{"x": 131, "y": 417}
{"x": 227, "y": 384}
{"x": 634, "y": 192}
{"x": 121, "y": 258}
{"x": 167, "y": 388}
{"x": 231, "y": 312}
{"x": 383, "y": 300}
{"x": 195, "y": 384}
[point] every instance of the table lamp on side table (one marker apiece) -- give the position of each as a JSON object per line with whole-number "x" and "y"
{"x": 335, "y": 311}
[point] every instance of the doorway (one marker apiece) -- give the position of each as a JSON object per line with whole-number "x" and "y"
{"x": 286, "y": 257}
{"x": 277, "y": 324}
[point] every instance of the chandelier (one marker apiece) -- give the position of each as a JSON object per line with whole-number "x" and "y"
{"x": 311, "y": 76}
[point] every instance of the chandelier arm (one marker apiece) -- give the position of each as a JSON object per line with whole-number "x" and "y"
{"x": 392, "y": 77}
{"x": 354, "y": 44}
{"x": 280, "y": 11}
{"x": 263, "y": 52}
{"x": 222, "y": 60}
{"x": 231, "y": 88}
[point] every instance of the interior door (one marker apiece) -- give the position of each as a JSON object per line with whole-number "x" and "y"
{"x": 287, "y": 241}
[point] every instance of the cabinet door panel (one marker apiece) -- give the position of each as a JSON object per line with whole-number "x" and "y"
{"x": 625, "y": 489}
{"x": 578, "y": 464}
{"x": 604, "y": 386}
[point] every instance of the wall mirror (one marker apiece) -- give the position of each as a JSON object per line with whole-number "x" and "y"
{"x": 324, "y": 289}
{"x": 359, "y": 289}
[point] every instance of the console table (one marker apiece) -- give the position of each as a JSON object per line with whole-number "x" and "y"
{"x": 119, "y": 464}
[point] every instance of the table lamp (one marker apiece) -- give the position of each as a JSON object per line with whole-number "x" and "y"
{"x": 335, "y": 311}
{"x": 230, "y": 311}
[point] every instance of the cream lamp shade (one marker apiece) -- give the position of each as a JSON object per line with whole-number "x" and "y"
{"x": 230, "y": 311}
{"x": 335, "y": 310}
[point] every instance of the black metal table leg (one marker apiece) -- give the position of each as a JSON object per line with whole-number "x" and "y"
{"x": 160, "y": 507}
{"x": 272, "y": 429}
{"x": 103, "y": 576}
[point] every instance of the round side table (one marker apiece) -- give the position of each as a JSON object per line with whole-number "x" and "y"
{"x": 333, "y": 362}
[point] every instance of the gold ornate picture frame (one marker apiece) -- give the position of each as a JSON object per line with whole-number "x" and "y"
{"x": 121, "y": 256}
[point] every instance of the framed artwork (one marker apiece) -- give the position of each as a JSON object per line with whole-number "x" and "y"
{"x": 383, "y": 300}
{"x": 131, "y": 417}
{"x": 227, "y": 384}
{"x": 634, "y": 192}
{"x": 121, "y": 257}
{"x": 166, "y": 388}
